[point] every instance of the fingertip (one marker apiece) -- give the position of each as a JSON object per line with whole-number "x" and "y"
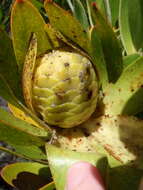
{"x": 83, "y": 175}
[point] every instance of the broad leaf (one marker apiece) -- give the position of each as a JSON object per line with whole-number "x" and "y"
{"x": 25, "y": 138}
{"x": 110, "y": 8}
{"x": 107, "y": 7}
{"x": 130, "y": 59}
{"x": 121, "y": 176}
{"x": 29, "y": 176}
{"x": 124, "y": 177}
{"x": 136, "y": 25}
{"x": 8, "y": 64}
{"x": 26, "y": 19}
{"x": 60, "y": 160}
{"x": 23, "y": 155}
{"x": 60, "y": 19}
{"x": 9, "y": 119}
{"x": 98, "y": 58}
{"x": 17, "y": 137}
{"x": 131, "y": 26}
{"x": 114, "y": 7}
{"x": 111, "y": 48}
{"x": 80, "y": 13}
{"x": 125, "y": 97}
{"x": 33, "y": 152}
{"x": 37, "y": 4}
{"x": 101, "y": 6}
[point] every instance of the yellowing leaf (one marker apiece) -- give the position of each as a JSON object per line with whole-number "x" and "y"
{"x": 21, "y": 115}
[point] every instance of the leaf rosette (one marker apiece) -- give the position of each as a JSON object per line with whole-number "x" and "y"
{"x": 71, "y": 87}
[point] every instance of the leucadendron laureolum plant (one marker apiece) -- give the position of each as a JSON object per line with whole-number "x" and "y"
{"x": 74, "y": 87}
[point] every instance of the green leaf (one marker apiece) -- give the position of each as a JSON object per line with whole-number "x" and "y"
{"x": 114, "y": 7}
{"x": 125, "y": 97}
{"x": 8, "y": 64}
{"x": 60, "y": 19}
{"x": 110, "y": 44}
{"x": 130, "y": 59}
{"x": 50, "y": 186}
{"x": 136, "y": 25}
{"x": 12, "y": 136}
{"x": 37, "y": 4}
{"x": 29, "y": 176}
{"x": 100, "y": 4}
{"x": 124, "y": 177}
{"x": 60, "y": 160}
{"x": 25, "y": 19}
{"x": 6, "y": 92}
{"x": 9, "y": 119}
{"x": 33, "y": 152}
{"x": 98, "y": 58}
{"x": 109, "y": 8}
{"x": 80, "y": 13}
{"x": 131, "y": 26}
{"x": 21, "y": 154}
{"x": 121, "y": 176}
{"x": 1, "y": 15}
{"x": 25, "y": 138}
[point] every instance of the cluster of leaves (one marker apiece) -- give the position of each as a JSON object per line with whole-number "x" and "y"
{"x": 5, "y": 8}
{"x": 28, "y": 140}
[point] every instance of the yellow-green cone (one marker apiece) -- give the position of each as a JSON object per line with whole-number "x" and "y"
{"x": 65, "y": 88}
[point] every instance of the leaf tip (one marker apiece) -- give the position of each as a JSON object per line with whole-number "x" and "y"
{"x": 49, "y": 1}
{"x": 19, "y": 1}
{"x": 94, "y": 4}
